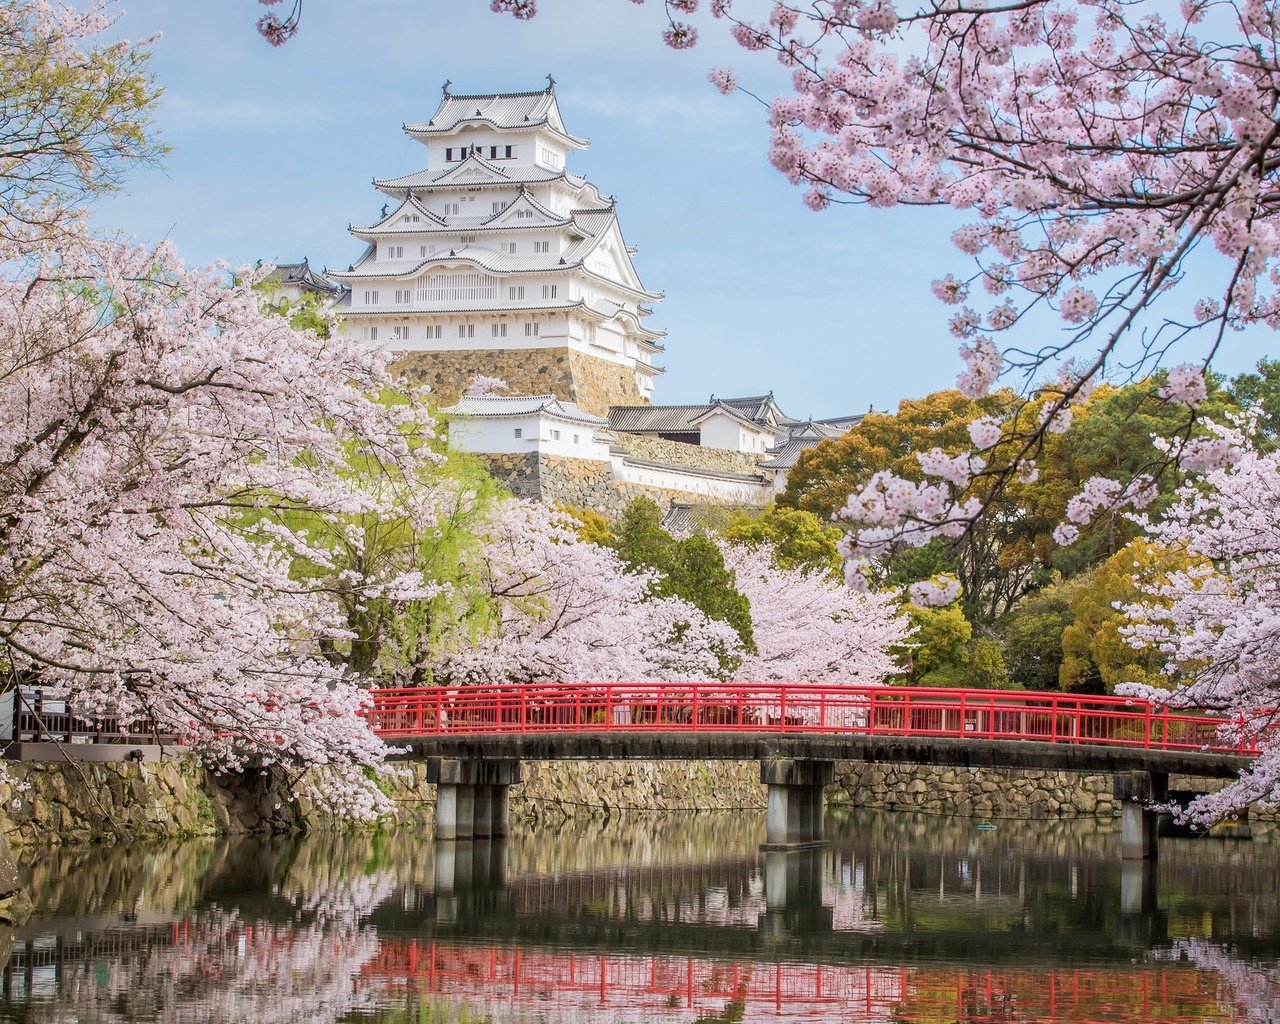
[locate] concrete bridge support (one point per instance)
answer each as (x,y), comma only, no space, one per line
(795,808)
(471,796)
(1138,823)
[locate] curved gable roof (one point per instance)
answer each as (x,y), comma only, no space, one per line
(509,111)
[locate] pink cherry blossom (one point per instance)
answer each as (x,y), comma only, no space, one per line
(1218,621)
(1186,385)
(724,79)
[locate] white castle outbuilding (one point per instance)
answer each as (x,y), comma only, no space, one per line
(496,261)
(494,247)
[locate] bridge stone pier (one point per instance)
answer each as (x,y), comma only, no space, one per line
(1139,824)
(795,804)
(472,796)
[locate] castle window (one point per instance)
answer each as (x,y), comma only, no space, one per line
(466,239)
(497,330)
(531,330)
(541,246)
(466,330)
(519,432)
(395,252)
(510,152)
(433,330)
(575,438)
(422,250)
(450,208)
(499,207)
(370,298)
(549,291)
(448,153)
(400,333)
(373,334)
(514,294)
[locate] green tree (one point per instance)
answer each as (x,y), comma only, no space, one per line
(1260,392)
(75,114)
(1096,654)
(800,539)
(309,312)
(692,569)
(939,651)
(592,526)
(1032,635)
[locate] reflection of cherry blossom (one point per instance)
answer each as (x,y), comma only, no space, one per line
(222,969)
(1253,990)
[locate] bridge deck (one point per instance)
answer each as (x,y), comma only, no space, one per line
(729,746)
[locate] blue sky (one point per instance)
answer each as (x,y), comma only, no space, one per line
(273,152)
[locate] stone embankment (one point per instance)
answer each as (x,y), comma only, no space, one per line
(82,802)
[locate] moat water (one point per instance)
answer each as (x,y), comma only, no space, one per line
(903,918)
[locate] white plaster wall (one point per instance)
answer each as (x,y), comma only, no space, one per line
(538,433)
(693,483)
(721,431)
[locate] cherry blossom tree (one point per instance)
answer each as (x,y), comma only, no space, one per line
(566,610)
(162,441)
(810,629)
(1217,620)
(159,432)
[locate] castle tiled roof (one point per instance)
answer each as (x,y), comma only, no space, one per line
(500,406)
(665,419)
(760,412)
(300,275)
(509,111)
(523,174)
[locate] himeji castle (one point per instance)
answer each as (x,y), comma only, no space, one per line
(496,260)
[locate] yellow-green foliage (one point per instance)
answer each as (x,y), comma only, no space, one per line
(592,527)
(1095,654)
(799,538)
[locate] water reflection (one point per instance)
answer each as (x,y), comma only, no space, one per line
(902,919)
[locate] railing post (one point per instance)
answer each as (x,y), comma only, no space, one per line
(608,707)
(693,708)
(1146,726)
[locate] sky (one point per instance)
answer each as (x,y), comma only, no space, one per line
(273,152)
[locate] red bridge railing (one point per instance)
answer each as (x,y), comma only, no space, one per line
(773,708)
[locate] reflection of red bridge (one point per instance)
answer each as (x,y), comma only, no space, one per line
(642,987)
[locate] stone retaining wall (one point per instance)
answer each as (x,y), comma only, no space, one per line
(592,383)
(584,483)
(689,456)
(994,792)
(70,803)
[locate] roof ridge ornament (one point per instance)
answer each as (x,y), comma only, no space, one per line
(444,89)
(551,84)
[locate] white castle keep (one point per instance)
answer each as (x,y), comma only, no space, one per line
(494,247)
(496,261)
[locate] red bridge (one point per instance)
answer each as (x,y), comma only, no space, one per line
(475,736)
(758,708)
